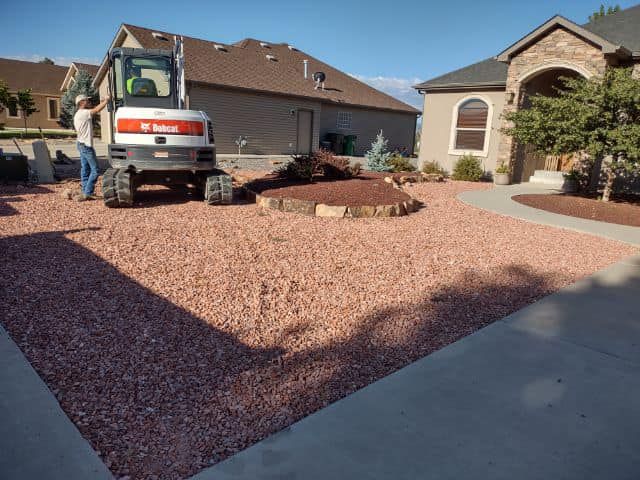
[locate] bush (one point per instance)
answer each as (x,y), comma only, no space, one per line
(468,168)
(301,167)
(332,166)
(502,168)
(433,167)
(304,167)
(398,163)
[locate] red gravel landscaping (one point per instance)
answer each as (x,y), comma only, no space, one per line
(365,189)
(623,211)
(176,334)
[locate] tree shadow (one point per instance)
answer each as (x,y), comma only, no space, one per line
(13,194)
(391,338)
(135,372)
(158,391)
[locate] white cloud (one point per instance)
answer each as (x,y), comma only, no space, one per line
(56,60)
(400,88)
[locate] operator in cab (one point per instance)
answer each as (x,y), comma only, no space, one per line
(83,124)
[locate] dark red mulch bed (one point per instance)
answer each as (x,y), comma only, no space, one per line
(365,189)
(623,210)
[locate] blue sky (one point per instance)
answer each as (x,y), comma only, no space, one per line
(390,44)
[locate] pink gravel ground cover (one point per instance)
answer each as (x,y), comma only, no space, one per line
(175,334)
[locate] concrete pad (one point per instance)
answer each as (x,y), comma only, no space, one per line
(37,440)
(504,403)
(498,200)
(601,312)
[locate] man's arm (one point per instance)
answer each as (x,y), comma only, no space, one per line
(98,108)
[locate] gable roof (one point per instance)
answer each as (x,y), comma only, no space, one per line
(621,28)
(39,77)
(618,33)
(73,69)
(487,73)
(244,65)
(560,21)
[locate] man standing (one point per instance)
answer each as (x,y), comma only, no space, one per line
(83,123)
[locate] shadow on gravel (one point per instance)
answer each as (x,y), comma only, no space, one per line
(159,392)
(469,303)
(136,373)
(12,194)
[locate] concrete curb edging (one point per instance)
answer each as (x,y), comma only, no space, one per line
(311,208)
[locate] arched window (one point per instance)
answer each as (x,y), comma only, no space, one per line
(471,125)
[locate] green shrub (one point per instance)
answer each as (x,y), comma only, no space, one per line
(398,163)
(301,167)
(502,168)
(434,167)
(468,168)
(304,167)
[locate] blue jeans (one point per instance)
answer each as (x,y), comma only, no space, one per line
(88,168)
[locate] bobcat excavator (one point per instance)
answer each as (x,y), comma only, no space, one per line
(154,138)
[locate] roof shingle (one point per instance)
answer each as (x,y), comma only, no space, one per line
(621,28)
(489,72)
(39,77)
(244,65)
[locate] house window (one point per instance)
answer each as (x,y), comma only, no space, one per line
(344,121)
(12,108)
(471,127)
(52,106)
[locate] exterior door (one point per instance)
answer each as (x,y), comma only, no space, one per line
(305,131)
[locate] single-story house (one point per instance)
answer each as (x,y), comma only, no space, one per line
(73,70)
(265,92)
(44,80)
(463,109)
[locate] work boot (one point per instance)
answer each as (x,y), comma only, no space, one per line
(83,197)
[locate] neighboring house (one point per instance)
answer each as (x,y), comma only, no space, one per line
(259,90)
(73,71)
(463,109)
(44,80)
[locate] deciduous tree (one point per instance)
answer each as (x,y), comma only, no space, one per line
(599,116)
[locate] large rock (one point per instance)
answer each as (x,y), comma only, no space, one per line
(323,210)
(305,207)
(364,211)
(386,211)
(269,202)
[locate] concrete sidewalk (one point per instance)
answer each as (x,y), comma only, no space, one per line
(498,200)
(549,392)
(37,439)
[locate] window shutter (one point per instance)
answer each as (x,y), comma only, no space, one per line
(473,114)
(470,140)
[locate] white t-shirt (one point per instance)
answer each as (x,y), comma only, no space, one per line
(84,126)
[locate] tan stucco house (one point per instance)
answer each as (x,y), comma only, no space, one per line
(259,90)
(463,109)
(44,80)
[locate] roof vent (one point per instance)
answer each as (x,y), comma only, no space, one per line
(292,48)
(271,57)
(265,45)
(220,48)
(159,36)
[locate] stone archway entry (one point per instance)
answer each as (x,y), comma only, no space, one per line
(527,160)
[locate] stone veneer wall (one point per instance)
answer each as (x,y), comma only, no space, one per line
(560,48)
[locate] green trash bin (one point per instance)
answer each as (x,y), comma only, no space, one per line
(349,145)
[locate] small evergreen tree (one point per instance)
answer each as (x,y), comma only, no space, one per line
(81,85)
(26,104)
(378,156)
(603,12)
(599,116)
(47,60)
(4,95)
